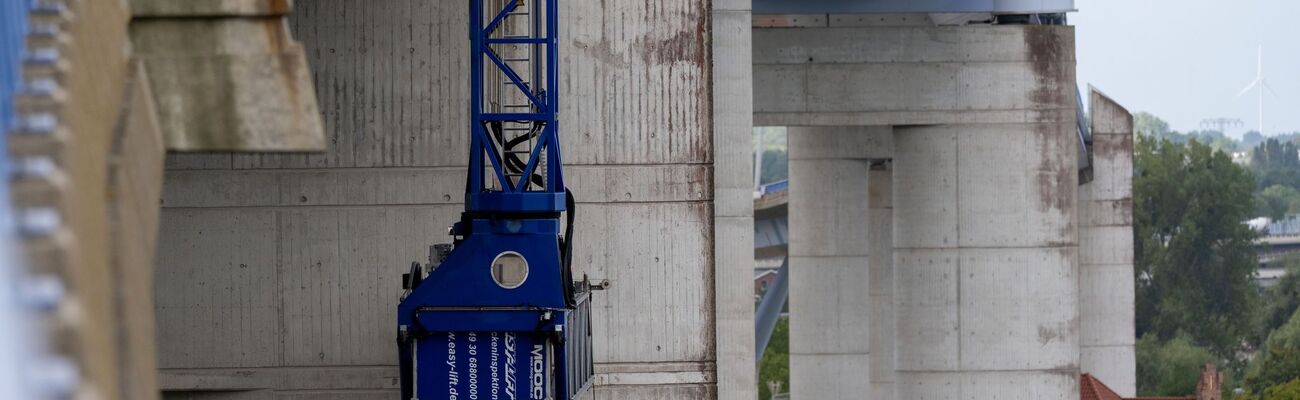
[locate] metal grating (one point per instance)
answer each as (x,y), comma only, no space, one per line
(578,348)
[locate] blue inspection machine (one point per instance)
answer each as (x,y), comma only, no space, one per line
(497,314)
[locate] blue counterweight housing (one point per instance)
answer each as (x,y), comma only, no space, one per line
(500,315)
(462,335)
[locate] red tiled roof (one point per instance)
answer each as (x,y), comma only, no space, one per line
(1090,388)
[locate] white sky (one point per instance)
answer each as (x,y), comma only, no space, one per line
(1186,60)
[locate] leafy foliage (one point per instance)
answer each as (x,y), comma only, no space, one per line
(1169,368)
(1152,126)
(775,366)
(776,165)
(1285,391)
(1279,362)
(1279,302)
(1277,201)
(1276,163)
(1252,139)
(772,140)
(1195,260)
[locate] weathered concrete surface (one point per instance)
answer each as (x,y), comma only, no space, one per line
(275,262)
(210,8)
(985,237)
(91,113)
(985,279)
(733,212)
(911,75)
(842,142)
(135,172)
(830,318)
(1106,250)
(986,262)
(227,75)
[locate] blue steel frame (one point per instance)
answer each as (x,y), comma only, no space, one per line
(515,196)
(448,318)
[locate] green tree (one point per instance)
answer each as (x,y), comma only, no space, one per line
(1279,361)
(1195,260)
(1216,139)
(1279,302)
(1224,144)
(1252,139)
(1169,368)
(1286,391)
(776,165)
(1276,162)
(1277,201)
(772,141)
(1151,125)
(775,366)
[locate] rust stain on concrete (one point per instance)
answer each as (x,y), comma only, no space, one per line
(1055,180)
(279,7)
(1112,146)
(704,59)
(1046,47)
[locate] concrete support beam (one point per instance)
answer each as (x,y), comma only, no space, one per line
(913,75)
(841,142)
(1106,251)
(830,318)
(985,253)
(733,217)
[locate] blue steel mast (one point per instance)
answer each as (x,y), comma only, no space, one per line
(499,129)
(498,314)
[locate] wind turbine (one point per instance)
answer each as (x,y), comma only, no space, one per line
(1259,83)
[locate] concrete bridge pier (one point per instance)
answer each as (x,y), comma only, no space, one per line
(985,253)
(983,140)
(833,258)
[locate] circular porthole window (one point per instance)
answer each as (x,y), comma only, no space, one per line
(509,270)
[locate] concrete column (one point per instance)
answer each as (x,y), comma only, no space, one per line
(880,217)
(733,206)
(985,253)
(829,257)
(1106,251)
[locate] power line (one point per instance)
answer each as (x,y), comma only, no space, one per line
(1222,124)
